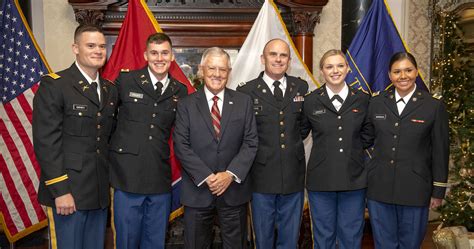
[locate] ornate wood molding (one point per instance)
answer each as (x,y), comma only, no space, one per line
(89,16)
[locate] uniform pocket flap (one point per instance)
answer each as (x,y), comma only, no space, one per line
(73,161)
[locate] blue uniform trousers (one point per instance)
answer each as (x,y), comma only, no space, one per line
(397,226)
(283,212)
(139,220)
(84,229)
(337,215)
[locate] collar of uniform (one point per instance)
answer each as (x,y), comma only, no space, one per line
(89,79)
(165,81)
(269,81)
(407,97)
(210,95)
(343,93)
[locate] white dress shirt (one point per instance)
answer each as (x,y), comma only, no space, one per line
(343,94)
(401,104)
(89,79)
(269,81)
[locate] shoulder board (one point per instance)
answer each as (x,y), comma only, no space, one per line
(375,94)
(124,70)
(242,83)
(437,96)
(53,75)
(308,93)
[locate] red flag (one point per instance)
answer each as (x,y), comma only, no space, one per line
(128,52)
(21,66)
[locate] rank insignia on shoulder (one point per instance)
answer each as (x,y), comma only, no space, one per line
(124,70)
(437,96)
(363,90)
(308,93)
(53,75)
(242,83)
(375,94)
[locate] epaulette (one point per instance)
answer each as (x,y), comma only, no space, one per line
(308,93)
(375,93)
(437,96)
(242,83)
(53,75)
(124,70)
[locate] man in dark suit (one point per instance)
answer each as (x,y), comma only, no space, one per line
(278,171)
(216,141)
(140,170)
(72,120)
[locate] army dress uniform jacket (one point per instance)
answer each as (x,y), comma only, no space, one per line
(140,151)
(339,138)
(411,150)
(279,167)
(71,131)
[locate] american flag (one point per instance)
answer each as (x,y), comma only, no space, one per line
(21,67)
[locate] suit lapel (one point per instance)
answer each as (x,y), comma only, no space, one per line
(171,90)
(203,108)
(289,93)
(227,108)
(82,86)
(265,93)
(104,93)
(390,102)
(414,102)
(142,79)
(324,99)
(349,101)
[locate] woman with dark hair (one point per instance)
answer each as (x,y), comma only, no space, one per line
(409,168)
(336,178)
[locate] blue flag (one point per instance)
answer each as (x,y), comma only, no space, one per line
(376,40)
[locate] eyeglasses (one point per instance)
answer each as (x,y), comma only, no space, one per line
(213,70)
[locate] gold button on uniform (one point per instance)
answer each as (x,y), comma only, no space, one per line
(341,150)
(396,124)
(98,126)
(340,139)
(153,115)
(282,135)
(281,123)
(392,161)
(281,112)
(120,150)
(150,138)
(98,151)
(339,117)
(339,128)
(80,114)
(135,100)
(98,139)
(99,114)
(395,136)
(393,149)
(152,126)
(283,146)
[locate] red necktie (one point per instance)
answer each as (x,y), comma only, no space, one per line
(216,116)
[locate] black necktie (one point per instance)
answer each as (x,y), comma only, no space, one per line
(277,92)
(338,98)
(94,91)
(159,87)
(401,100)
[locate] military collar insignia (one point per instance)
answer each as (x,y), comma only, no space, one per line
(85,87)
(264,90)
(144,80)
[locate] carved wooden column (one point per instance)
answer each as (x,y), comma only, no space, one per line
(304,16)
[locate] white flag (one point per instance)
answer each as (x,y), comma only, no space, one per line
(268,25)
